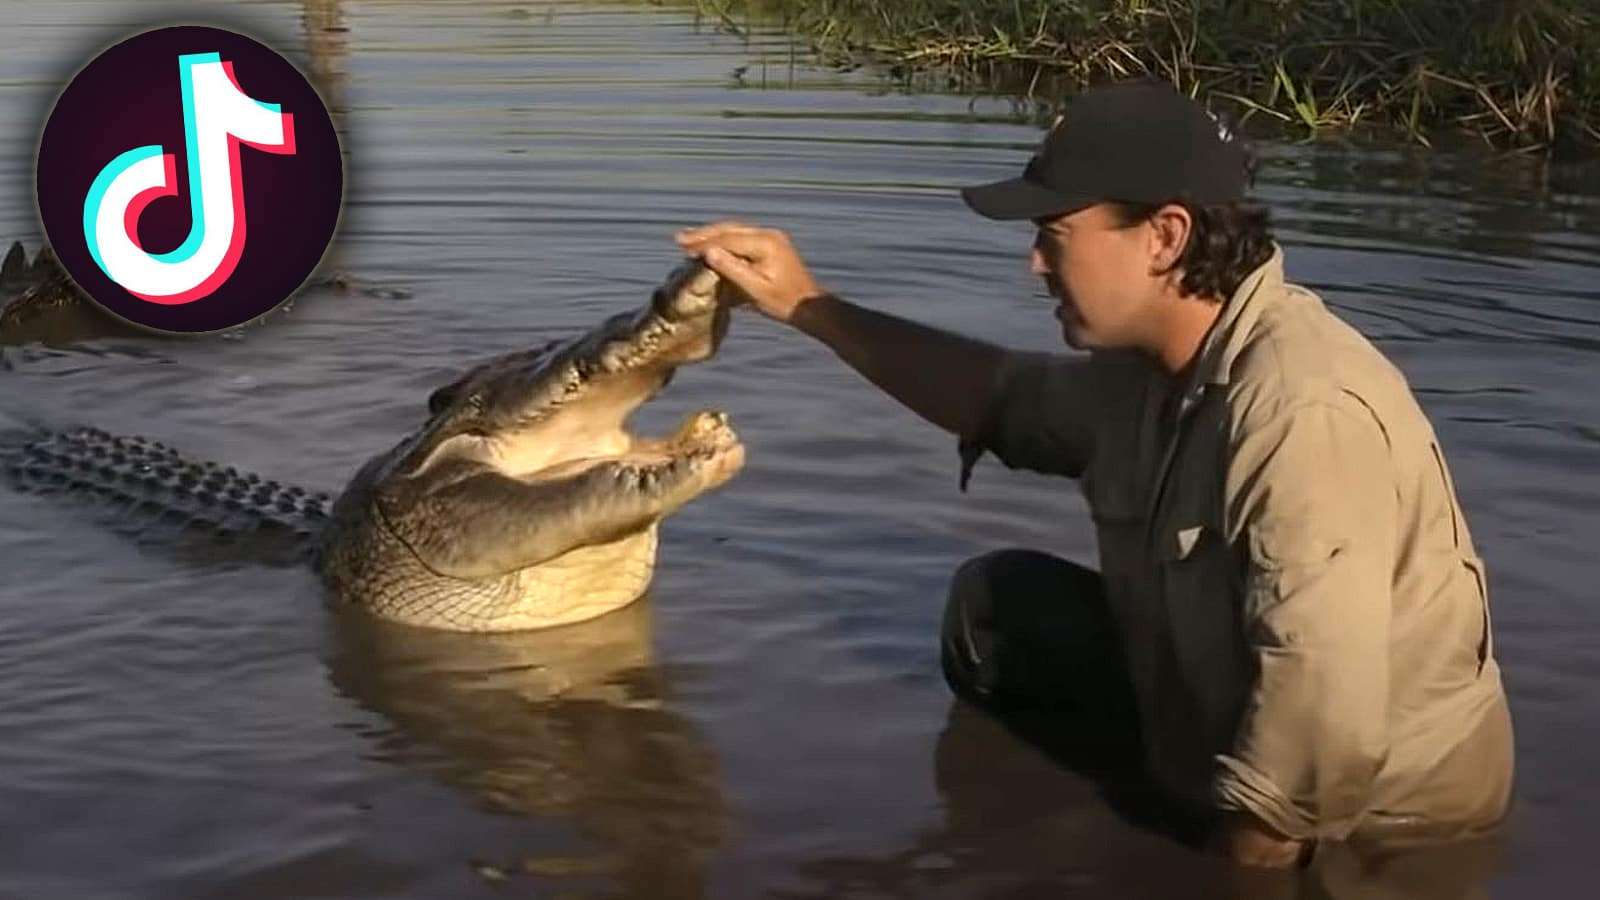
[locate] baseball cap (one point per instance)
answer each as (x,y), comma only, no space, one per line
(1137,141)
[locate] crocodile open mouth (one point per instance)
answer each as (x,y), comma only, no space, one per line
(704,449)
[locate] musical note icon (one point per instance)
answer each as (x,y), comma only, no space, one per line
(218,118)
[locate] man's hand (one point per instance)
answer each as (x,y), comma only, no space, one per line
(1250,842)
(942,377)
(761,262)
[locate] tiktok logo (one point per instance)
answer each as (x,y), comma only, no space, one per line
(217,117)
(157,157)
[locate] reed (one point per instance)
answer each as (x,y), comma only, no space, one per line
(1520,73)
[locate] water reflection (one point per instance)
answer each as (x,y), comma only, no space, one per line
(1020,819)
(1472,206)
(327,45)
(567,723)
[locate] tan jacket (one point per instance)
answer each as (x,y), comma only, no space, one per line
(1305,618)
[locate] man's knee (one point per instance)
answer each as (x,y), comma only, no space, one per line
(973,587)
(969,639)
(982,572)
(1010,574)
(973,573)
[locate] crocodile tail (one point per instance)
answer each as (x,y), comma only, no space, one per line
(153,481)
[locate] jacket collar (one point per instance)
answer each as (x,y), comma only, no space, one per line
(1259,290)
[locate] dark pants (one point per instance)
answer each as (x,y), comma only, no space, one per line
(1029,637)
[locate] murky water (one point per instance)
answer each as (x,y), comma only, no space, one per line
(771,720)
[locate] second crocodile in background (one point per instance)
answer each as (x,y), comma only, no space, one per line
(520,502)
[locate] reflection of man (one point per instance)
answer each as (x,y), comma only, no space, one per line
(1289,613)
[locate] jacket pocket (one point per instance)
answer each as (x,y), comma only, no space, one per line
(1449,492)
(1278,548)
(1201,605)
(1474,565)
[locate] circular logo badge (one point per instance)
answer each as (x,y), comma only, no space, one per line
(189,179)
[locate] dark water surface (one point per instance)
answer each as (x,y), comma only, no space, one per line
(771,720)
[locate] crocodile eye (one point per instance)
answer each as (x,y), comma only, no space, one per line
(440,400)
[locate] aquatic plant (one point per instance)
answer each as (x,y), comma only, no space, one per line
(1519,73)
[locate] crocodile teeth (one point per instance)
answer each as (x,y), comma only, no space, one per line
(613,357)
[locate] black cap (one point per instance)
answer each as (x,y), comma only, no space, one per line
(1134,141)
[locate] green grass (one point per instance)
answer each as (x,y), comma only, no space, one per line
(1520,73)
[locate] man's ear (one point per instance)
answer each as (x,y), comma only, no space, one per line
(1170,227)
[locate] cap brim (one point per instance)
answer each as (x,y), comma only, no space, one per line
(1019,198)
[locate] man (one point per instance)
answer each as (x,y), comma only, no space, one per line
(1289,615)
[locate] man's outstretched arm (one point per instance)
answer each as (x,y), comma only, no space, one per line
(942,377)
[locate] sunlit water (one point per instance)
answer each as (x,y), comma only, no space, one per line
(771,719)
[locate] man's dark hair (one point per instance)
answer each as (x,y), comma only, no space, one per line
(1227,241)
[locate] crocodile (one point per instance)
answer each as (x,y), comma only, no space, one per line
(520,501)
(39,302)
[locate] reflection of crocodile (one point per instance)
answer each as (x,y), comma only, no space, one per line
(521,502)
(568,725)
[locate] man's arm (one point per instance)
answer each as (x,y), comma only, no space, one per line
(1310,492)
(942,377)
(1032,410)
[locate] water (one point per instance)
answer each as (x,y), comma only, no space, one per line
(771,720)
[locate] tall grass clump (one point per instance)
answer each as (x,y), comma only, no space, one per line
(1520,73)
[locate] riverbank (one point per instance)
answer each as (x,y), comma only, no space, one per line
(1521,74)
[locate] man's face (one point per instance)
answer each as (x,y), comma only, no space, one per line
(1099,273)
